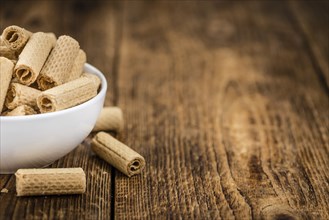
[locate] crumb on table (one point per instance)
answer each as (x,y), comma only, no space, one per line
(4,190)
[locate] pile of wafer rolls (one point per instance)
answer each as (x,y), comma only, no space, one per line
(41,73)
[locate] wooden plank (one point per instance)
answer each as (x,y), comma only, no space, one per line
(94,24)
(224,103)
(313,20)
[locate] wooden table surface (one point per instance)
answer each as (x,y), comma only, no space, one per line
(227,101)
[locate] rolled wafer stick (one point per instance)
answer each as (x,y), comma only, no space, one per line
(1,41)
(5,51)
(117,154)
(15,37)
(14,80)
(57,67)
(52,181)
(6,72)
(33,57)
(8,53)
(110,119)
(19,94)
(77,67)
(69,94)
(21,110)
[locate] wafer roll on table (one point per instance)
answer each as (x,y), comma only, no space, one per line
(33,57)
(19,94)
(52,181)
(21,110)
(69,94)
(117,154)
(58,65)
(110,119)
(15,37)
(6,73)
(77,67)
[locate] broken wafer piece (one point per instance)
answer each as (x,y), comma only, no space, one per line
(110,119)
(20,111)
(117,154)
(58,65)
(33,57)
(52,181)
(4,190)
(15,37)
(6,73)
(19,94)
(77,67)
(69,94)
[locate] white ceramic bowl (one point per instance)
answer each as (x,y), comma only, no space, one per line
(38,140)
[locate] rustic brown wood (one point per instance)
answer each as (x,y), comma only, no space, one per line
(224,100)
(312,17)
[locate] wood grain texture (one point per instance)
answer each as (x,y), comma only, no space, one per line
(227,110)
(312,17)
(223,100)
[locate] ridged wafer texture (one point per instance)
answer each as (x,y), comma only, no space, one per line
(58,65)
(110,119)
(117,154)
(19,94)
(77,67)
(20,111)
(34,56)
(6,73)
(69,94)
(15,37)
(52,181)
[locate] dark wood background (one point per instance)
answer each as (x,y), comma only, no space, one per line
(227,101)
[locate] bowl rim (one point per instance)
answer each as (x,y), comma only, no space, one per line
(91,101)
